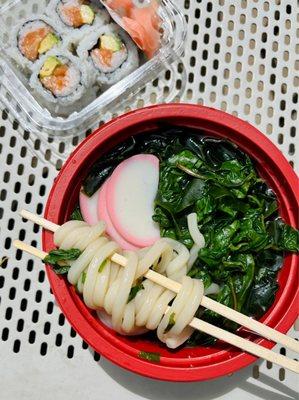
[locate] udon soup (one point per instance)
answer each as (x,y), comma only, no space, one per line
(190,207)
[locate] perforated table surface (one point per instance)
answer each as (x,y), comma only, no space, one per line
(240,57)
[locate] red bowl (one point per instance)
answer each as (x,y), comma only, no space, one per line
(187,364)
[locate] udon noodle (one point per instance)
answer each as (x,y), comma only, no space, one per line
(106,286)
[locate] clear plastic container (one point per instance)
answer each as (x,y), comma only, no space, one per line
(35,117)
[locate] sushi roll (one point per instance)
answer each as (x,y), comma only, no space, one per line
(110,53)
(60,78)
(34,38)
(76,17)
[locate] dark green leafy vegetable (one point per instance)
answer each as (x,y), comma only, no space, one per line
(76,214)
(264,287)
(283,237)
(200,271)
(58,259)
(252,234)
(163,217)
(218,244)
(148,356)
(236,212)
(61,270)
(58,255)
(204,206)
(242,282)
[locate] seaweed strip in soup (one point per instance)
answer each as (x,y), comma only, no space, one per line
(236,212)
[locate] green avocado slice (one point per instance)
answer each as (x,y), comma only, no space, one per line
(111,42)
(48,43)
(87,14)
(49,66)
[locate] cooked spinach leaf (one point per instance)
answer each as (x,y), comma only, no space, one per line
(76,214)
(283,237)
(58,259)
(201,271)
(236,211)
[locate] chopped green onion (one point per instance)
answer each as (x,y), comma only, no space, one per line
(134,291)
(102,266)
(153,357)
(171,322)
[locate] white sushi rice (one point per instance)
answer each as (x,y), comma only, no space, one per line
(118,58)
(72,79)
(77,76)
(76,34)
(22,29)
(124,66)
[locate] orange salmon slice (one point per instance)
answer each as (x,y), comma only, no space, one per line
(104,55)
(56,82)
(73,14)
(30,43)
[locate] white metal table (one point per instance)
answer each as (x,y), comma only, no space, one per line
(240,57)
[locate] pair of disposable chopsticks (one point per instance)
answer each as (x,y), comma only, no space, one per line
(243,320)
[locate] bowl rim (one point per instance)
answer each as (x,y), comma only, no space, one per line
(280,317)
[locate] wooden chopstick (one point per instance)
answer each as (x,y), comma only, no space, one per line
(209,329)
(227,312)
(206,302)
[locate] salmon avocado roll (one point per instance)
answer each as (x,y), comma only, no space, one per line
(77,16)
(75,13)
(36,38)
(110,53)
(33,39)
(60,78)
